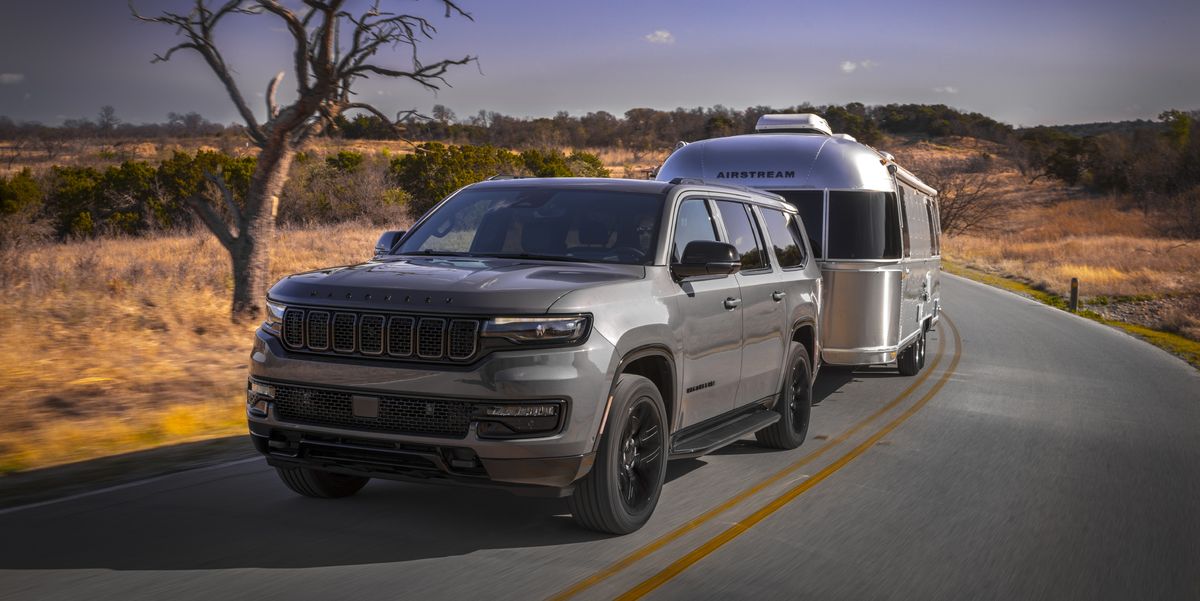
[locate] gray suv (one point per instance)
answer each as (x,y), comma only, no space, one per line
(553,336)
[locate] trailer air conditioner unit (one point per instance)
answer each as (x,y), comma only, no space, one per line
(847,137)
(805,123)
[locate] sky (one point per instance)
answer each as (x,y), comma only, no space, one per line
(1022,62)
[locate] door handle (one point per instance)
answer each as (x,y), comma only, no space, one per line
(778,296)
(732,303)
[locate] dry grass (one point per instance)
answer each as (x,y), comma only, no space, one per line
(110,345)
(1112,252)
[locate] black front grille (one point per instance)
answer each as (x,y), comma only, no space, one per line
(421,338)
(400,415)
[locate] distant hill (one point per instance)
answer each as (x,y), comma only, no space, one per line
(1084,130)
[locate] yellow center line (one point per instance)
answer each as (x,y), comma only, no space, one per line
(779,502)
(735,500)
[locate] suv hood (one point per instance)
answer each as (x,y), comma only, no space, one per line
(448,284)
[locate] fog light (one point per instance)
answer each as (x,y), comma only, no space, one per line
(262,389)
(521,410)
(257,407)
(516,420)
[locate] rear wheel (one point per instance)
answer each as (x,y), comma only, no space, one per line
(913,356)
(794,406)
(320,484)
(621,491)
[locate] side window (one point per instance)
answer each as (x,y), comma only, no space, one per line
(785,237)
(693,222)
(905,236)
(742,235)
(934,242)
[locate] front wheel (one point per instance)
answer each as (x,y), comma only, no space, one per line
(794,406)
(621,491)
(320,484)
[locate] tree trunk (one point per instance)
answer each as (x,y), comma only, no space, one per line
(251,252)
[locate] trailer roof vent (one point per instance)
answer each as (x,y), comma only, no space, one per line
(803,123)
(847,137)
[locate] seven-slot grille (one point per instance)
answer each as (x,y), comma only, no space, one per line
(397,414)
(370,334)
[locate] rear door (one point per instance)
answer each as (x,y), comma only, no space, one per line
(709,324)
(762,309)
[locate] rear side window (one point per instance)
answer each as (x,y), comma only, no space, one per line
(811,204)
(785,237)
(863,225)
(693,222)
(742,235)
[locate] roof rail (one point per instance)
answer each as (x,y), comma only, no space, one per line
(696,181)
(502,177)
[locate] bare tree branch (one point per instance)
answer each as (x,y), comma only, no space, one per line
(272,107)
(212,221)
(227,196)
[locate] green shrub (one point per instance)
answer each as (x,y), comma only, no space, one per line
(19,193)
(436,170)
(345,161)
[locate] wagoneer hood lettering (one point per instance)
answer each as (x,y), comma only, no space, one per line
(458,285)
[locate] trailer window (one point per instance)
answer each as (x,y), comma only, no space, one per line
(863,225)
(811,204)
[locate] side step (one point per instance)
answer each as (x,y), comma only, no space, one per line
(721,434)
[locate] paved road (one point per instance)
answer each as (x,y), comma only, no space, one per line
(1042,457)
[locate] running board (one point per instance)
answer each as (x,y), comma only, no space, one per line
(721,434)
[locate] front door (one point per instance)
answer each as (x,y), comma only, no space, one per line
(710,325)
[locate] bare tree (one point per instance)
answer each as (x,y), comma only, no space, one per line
(966,198)
(326,71)
(106,119)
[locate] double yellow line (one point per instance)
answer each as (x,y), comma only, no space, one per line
(732,532)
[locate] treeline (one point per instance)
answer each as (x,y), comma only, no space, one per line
(136,198)
(1156,169)
(650,129)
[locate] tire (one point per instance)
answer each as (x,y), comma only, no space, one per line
(320,484)
(910,359)
(620,492)
(794,406)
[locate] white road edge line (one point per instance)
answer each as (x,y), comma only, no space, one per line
(135,483)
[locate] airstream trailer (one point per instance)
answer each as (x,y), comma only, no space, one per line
(873,227)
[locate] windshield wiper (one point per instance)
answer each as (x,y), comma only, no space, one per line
(429,252)
(539,257)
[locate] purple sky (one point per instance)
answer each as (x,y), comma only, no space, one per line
(1023,62)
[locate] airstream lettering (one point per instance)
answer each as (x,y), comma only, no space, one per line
(872,224)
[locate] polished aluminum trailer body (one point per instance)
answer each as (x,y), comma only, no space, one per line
(873,224)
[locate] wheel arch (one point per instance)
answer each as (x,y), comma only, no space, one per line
(656,363)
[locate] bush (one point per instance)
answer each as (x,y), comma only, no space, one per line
(346,187)
(20,193)
(21,200)
(345,161)
(436,170)
(553,163)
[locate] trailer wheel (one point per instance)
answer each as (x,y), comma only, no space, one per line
(910,359)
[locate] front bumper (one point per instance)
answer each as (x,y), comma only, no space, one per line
(579,377)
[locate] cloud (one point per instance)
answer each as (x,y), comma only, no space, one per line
(660,36)
(851,66)
(11,78)
(946,90)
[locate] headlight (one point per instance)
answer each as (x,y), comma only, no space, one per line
(565,329)
(274,320)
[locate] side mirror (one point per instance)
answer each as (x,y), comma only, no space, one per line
(387,241)
(705,258)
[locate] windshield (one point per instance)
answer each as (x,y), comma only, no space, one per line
(540,223)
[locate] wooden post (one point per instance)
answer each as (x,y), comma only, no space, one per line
(1074,295)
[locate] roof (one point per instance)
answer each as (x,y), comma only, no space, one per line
(782,161)
(615,184)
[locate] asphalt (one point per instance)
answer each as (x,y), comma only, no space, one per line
(1038,456)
